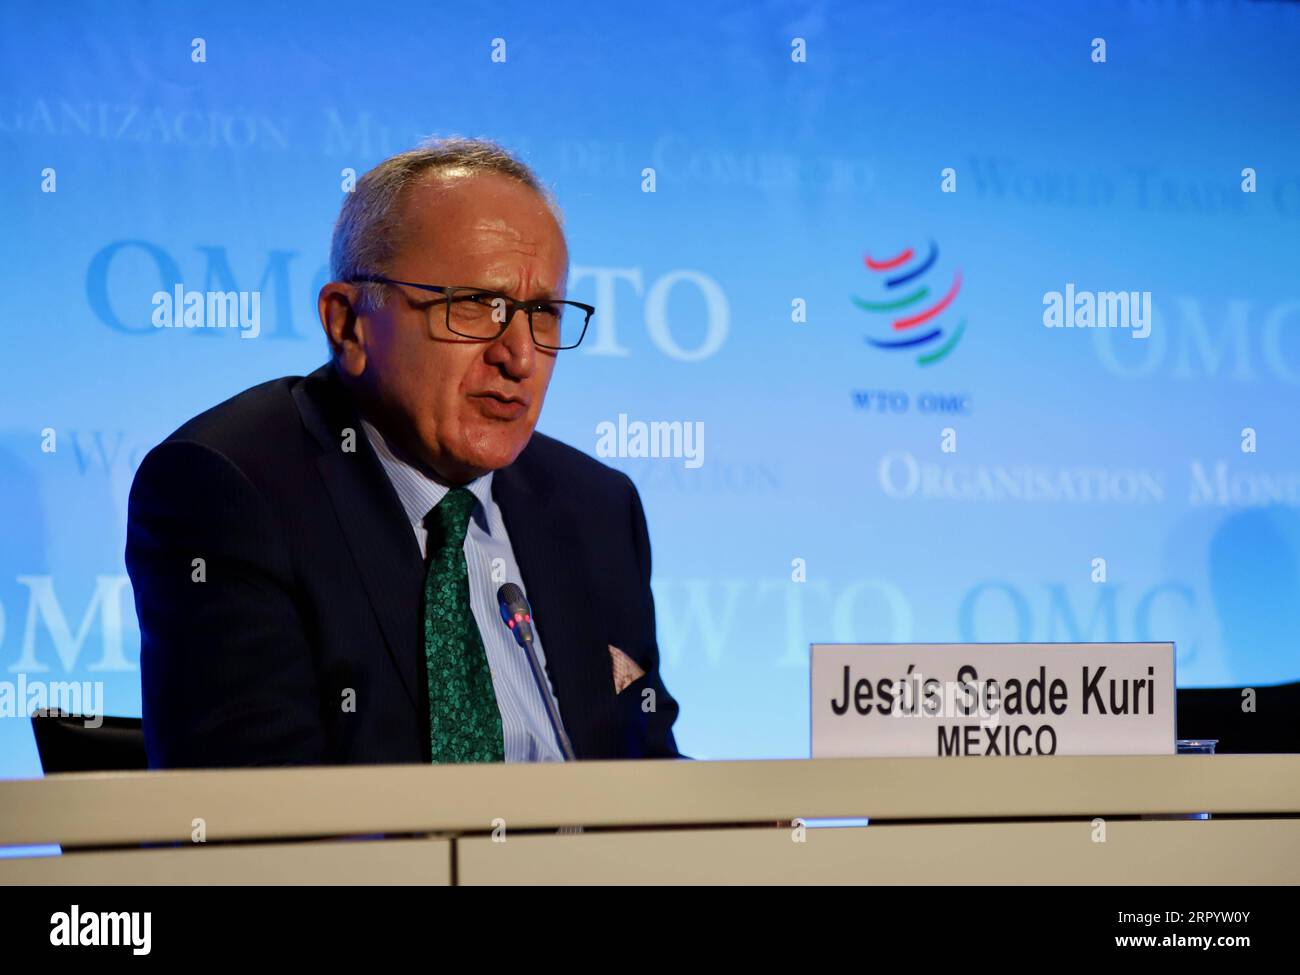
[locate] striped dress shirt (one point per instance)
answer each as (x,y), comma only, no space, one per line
(525,723)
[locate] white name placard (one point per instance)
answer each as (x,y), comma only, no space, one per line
(903,700)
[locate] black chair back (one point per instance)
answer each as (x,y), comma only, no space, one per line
(67,744)
(1216,712)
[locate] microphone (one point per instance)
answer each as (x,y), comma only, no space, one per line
(518,617)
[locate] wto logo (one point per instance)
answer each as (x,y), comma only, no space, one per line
(914,327)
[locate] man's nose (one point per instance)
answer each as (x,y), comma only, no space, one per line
(514,350)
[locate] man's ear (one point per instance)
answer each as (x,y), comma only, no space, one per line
(345,331)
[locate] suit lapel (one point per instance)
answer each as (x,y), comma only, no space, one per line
(383,546)
(544,538)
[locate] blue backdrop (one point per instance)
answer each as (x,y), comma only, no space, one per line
(959,488)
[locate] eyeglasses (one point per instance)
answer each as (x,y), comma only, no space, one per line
(479,313)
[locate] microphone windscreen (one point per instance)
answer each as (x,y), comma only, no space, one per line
(511,595)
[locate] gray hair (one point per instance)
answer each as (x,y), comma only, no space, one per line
(367,233)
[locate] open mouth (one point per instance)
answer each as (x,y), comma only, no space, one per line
(500,406)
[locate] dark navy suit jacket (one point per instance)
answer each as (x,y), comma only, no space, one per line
(312,580)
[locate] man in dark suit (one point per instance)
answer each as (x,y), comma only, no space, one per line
(316,561)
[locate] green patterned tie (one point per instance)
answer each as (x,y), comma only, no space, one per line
(464,720)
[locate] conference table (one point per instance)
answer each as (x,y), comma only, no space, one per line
(1178,819)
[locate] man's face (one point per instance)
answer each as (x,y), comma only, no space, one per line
(455,405)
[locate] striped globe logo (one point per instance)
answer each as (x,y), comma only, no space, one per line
(900,294)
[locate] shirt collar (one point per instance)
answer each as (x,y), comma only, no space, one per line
(418,492)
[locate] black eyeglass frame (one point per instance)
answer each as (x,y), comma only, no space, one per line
(511,305)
